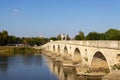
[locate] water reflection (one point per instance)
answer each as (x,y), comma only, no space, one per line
(3,67)
(36,68)
(66,73)
(3,64)
(25,68)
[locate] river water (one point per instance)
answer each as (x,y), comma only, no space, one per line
(36,68)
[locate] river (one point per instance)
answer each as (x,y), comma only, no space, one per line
(36,67)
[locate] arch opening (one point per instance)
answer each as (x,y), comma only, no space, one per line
(66,55)
(65,50)
(118,58)
(99,63)
(77,57)
(53,48)
(58,49)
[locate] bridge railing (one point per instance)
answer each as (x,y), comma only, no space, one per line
(95,43)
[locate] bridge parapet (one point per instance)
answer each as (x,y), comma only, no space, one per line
(94,43)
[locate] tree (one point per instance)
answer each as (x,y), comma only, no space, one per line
(80,36)
(0,38)
(94,36)
(4,37)
(112,34)
(53,38)
(68,38)
(102,36)
(59,37)
(12,40)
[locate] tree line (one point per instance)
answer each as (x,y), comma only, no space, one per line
(111,34)
(6,39)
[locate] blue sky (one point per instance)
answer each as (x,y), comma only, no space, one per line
(52,17)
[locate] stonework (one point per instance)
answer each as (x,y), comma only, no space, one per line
(94,54)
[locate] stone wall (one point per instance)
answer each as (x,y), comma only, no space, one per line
(98,43)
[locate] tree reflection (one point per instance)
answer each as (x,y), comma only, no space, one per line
(3,67)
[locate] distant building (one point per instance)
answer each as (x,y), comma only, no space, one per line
(63,36)
(19,45)
(22,45)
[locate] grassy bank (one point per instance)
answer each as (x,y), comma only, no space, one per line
(10,50)
(6,50)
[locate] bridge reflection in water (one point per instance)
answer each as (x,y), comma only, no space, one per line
(66,73)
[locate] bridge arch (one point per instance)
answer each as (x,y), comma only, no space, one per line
(99,62)
(53,48)
(77,56)
(65,50)
(118,59)
(58,49)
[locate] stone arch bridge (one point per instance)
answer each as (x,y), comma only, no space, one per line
(94,54)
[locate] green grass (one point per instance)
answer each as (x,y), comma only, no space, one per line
(10,50)
(6,50)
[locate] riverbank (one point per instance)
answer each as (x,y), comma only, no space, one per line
(12,50)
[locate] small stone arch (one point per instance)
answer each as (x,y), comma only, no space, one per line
(53,48)
(99,63)
(77,56)
(66,55)
(118,59)
(65,50)
(58,50)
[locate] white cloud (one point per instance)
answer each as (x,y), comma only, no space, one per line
(16,10)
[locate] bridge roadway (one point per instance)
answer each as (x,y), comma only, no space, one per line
(94,54)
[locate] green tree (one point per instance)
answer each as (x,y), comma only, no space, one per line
(68,38)
(94,36)
(59,37)
(112,34)
(0,38)
(53,38)
(12,40)
(4,38)
(80,36)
